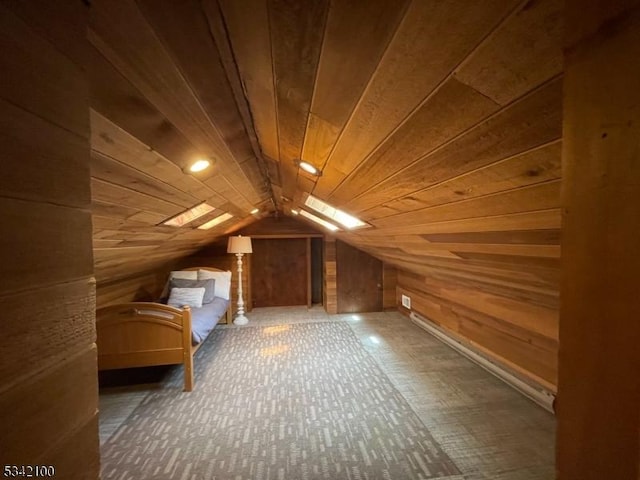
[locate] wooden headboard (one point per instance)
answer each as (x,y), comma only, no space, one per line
(211,269)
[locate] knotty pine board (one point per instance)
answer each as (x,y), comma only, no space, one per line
(37,421)
(532,121)
(116,99)
(531,356)
(54,326)
(113,171)
(42,165)
(149,66)
(46,244)
(389,285)
(514,329)
(535,166)
(198,59)
(48,376)
(430,41)
(296,39)
(599,388)
(247,23)
(57,102)
(354,30)
(515,50)
(450,110)
(535,220)
(543,196)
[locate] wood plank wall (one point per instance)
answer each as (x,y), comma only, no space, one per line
(139,287)
(330,290)
(48,377)
(516,327)
(599,388)
(389,285)
(283,226)
(281,272)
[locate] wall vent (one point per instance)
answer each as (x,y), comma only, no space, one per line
(406,301)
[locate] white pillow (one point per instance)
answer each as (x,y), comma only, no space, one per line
(187,274)
(186,296)
(223,282)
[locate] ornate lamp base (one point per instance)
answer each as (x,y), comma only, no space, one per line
(240,320)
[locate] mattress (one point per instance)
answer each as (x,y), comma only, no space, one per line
(205,318)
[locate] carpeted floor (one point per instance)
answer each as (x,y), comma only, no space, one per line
(287,402)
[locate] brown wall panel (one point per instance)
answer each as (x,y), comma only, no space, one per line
(31,88)
(48,378)
(279,226)
(64,453)
(359,280)
(599,384)
(44,164)
(60,399)
(145,287)
(389,283)
(60,322)
(48,243)
(279,272)
(510,327)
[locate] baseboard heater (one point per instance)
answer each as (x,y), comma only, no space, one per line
(540,395)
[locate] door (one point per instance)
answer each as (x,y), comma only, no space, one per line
(359,280)
(279,274)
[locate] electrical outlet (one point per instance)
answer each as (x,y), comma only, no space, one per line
(406,301)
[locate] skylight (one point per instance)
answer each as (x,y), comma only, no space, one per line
(216,221)
(322,222)
(189,216)
(343,218)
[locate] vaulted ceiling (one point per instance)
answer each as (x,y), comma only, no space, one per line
(438,122)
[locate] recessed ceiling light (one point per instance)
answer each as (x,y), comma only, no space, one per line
(189,216)
(319,220)
(306,166)
(216,221)
(199,165)
(254,211)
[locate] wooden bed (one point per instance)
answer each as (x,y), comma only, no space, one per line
(142,334)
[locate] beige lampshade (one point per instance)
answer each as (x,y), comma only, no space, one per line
(239,244)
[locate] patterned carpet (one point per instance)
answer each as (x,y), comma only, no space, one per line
(287,402)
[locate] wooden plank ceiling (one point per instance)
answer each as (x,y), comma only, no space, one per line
(438,122)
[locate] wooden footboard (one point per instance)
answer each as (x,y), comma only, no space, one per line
(142,334)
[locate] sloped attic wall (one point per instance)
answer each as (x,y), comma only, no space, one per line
(437,122)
